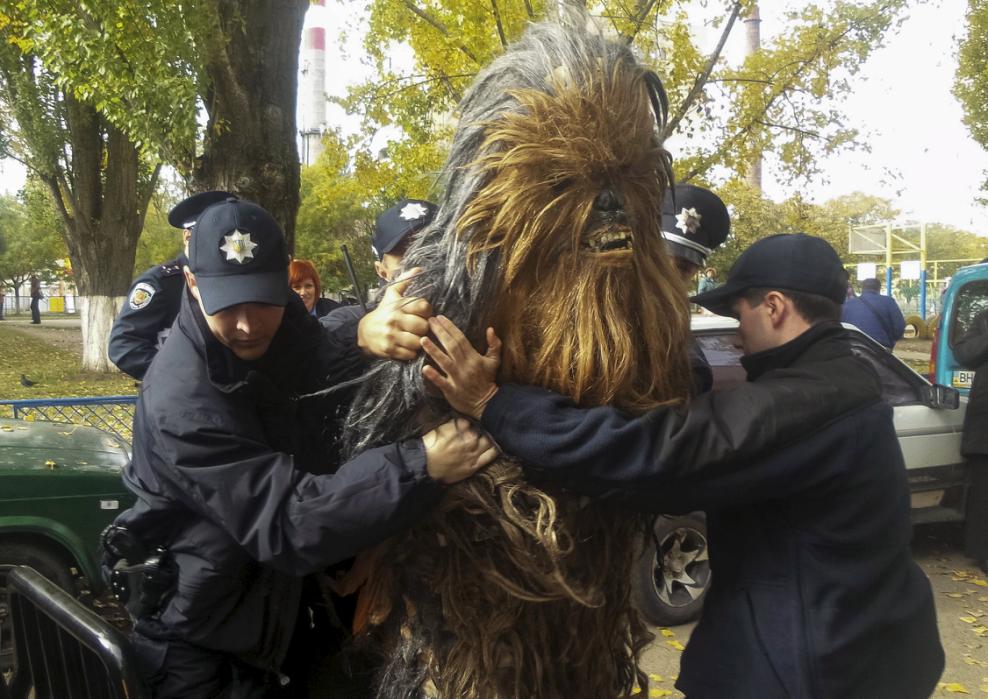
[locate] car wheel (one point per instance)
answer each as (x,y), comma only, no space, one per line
(673,574)
(48,562)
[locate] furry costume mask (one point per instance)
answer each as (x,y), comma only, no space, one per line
(549,231)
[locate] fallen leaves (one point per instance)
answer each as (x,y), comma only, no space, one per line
(953,687)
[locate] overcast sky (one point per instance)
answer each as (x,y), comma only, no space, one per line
(922,156)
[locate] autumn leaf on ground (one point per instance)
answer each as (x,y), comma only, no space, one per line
(954,688)
(667,633)
(659,693)
(974,661)
(967,619)
(676,644)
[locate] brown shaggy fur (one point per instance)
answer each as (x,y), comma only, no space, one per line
(512,589)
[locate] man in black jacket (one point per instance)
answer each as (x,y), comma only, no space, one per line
(234,473)
(971,350)
(814,592)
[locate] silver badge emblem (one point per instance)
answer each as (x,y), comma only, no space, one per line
(413,211)
(238,247)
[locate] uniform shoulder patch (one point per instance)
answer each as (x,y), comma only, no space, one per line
(141,295)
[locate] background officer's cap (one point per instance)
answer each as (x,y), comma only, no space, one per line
(238,255)
(405,217)
(796,262)
(185,213)
(695,224)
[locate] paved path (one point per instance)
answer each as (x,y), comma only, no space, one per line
(67,321)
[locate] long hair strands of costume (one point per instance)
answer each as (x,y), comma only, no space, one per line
(512,588)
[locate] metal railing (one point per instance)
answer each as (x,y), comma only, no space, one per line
(62,650)
(114,414)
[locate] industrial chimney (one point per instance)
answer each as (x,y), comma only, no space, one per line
(312,91)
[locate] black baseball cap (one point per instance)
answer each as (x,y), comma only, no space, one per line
(238,255)
(797,262)
(391,227)
(694,222)
(185,213)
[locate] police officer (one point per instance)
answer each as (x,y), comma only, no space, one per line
(231,475)
(694,224)
(394,230)
(154,299)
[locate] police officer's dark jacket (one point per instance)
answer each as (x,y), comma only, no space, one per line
(813,592)
(224,456)
(146,317)
(971,350)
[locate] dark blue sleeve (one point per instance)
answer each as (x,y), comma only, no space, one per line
(673,457)
(150,309)
(896,320)
(295,522)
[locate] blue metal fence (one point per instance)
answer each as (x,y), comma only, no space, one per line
(114,414)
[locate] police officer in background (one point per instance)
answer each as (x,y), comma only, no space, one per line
(236,493)
(153,302)
(694,223)
(394,230)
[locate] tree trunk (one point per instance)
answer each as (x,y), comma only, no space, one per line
(103,213)
(252,67)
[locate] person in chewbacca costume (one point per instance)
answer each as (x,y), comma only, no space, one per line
(548,231)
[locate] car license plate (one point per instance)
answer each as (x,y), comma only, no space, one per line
(962,379)
(926,498)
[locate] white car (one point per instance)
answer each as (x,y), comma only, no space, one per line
(674,572)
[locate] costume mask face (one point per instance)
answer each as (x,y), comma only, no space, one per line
(588,302)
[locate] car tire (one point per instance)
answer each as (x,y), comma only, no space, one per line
(46,560)
(672,575)
(915,328)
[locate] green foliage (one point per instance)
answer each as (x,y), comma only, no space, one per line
(783,98)
(133,61)
(31,233)
(755,217)
(971,79)
(159,242)
(342,194)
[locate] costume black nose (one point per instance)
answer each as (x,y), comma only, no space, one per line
(607,200)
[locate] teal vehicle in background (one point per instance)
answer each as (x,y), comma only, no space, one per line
(964,299)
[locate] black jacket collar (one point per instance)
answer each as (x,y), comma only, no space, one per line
(786,355)
(297,338)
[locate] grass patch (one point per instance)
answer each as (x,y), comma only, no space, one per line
(56,372)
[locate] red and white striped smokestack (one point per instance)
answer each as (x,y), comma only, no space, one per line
(312,89)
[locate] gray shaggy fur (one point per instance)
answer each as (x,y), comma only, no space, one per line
(390,405)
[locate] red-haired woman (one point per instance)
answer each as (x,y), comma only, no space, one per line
(304,280)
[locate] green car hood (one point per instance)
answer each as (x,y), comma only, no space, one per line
(59,448)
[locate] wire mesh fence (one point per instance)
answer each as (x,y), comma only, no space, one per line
(114,414)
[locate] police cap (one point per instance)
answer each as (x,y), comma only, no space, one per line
(185,213)
(695,223)
(391,227)
(238,255)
